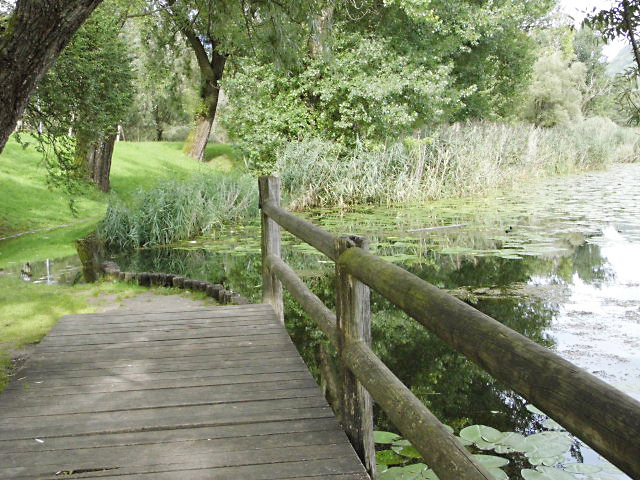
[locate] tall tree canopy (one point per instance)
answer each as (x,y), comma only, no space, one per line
(32,36)
(216,30)
(383,69)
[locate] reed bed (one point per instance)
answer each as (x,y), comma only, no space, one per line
(178,210)
(452,161)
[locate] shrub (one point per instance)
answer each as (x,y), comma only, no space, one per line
(177,210)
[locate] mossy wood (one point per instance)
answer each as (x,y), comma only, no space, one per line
(599,414)
(271,286)
(440,449)
(353,316)
(311,304)
(303,229)
(349,303)
(604,417)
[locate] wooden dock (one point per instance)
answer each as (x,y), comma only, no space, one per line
(207,393)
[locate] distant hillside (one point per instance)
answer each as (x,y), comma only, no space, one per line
(622,61)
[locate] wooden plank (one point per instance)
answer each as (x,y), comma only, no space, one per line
(39,389)
(62,443)
(166,460)
(210,396)
(208,470)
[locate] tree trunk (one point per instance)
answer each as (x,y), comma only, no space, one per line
(199,137)
(97,160)
(211,71)
(36,34)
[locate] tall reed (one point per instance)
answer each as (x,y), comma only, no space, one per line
(178,210)
(451,161)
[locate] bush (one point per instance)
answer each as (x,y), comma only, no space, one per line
(178,210)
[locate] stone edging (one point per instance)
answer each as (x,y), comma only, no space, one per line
(146,279)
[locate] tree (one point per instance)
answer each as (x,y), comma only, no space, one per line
(85,96)
(377,70)
(598,85)
(214,31)
(165,80)
(623,20)
(555,96)
(32,36)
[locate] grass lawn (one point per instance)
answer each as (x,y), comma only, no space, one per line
(28,204)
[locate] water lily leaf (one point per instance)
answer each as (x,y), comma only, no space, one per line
(582,468)
(464,441)
(534,409)
(448,428)
(389,457)
(515,441)
(429,475)
(503,449)
(380,436)
(547,444)
(491,461)
(381,468)
(475,433)
(498,474)
(552,424)
(555,473)
(402,443)
(482,445)
(410,472)
(407,451)
(548,474)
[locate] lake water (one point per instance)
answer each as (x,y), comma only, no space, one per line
(557,260)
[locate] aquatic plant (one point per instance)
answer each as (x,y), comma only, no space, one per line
(178,210)
(546,453)
(451,161)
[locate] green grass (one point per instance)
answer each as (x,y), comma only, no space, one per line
(28,204)
(56,243)
(28,310)
(26,201)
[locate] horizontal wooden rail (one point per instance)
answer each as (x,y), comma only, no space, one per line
(602,416)
(440,448)
(303,229)
(310,303)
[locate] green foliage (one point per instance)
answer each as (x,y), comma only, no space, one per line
(178,210)
(451,161)
(387,70)
(555,96)
(87,93)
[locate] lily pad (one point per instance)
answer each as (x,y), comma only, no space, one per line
(380,436)
(582,468)
(534,409)
(491,461)
(476,433)
(389,457)
(552,424)
(549,474)
(407,451)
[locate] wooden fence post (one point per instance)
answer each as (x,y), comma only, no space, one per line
(271,287)
(353,315)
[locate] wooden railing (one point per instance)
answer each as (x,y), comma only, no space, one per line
(602,416)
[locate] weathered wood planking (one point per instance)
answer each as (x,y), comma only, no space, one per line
(215,393)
